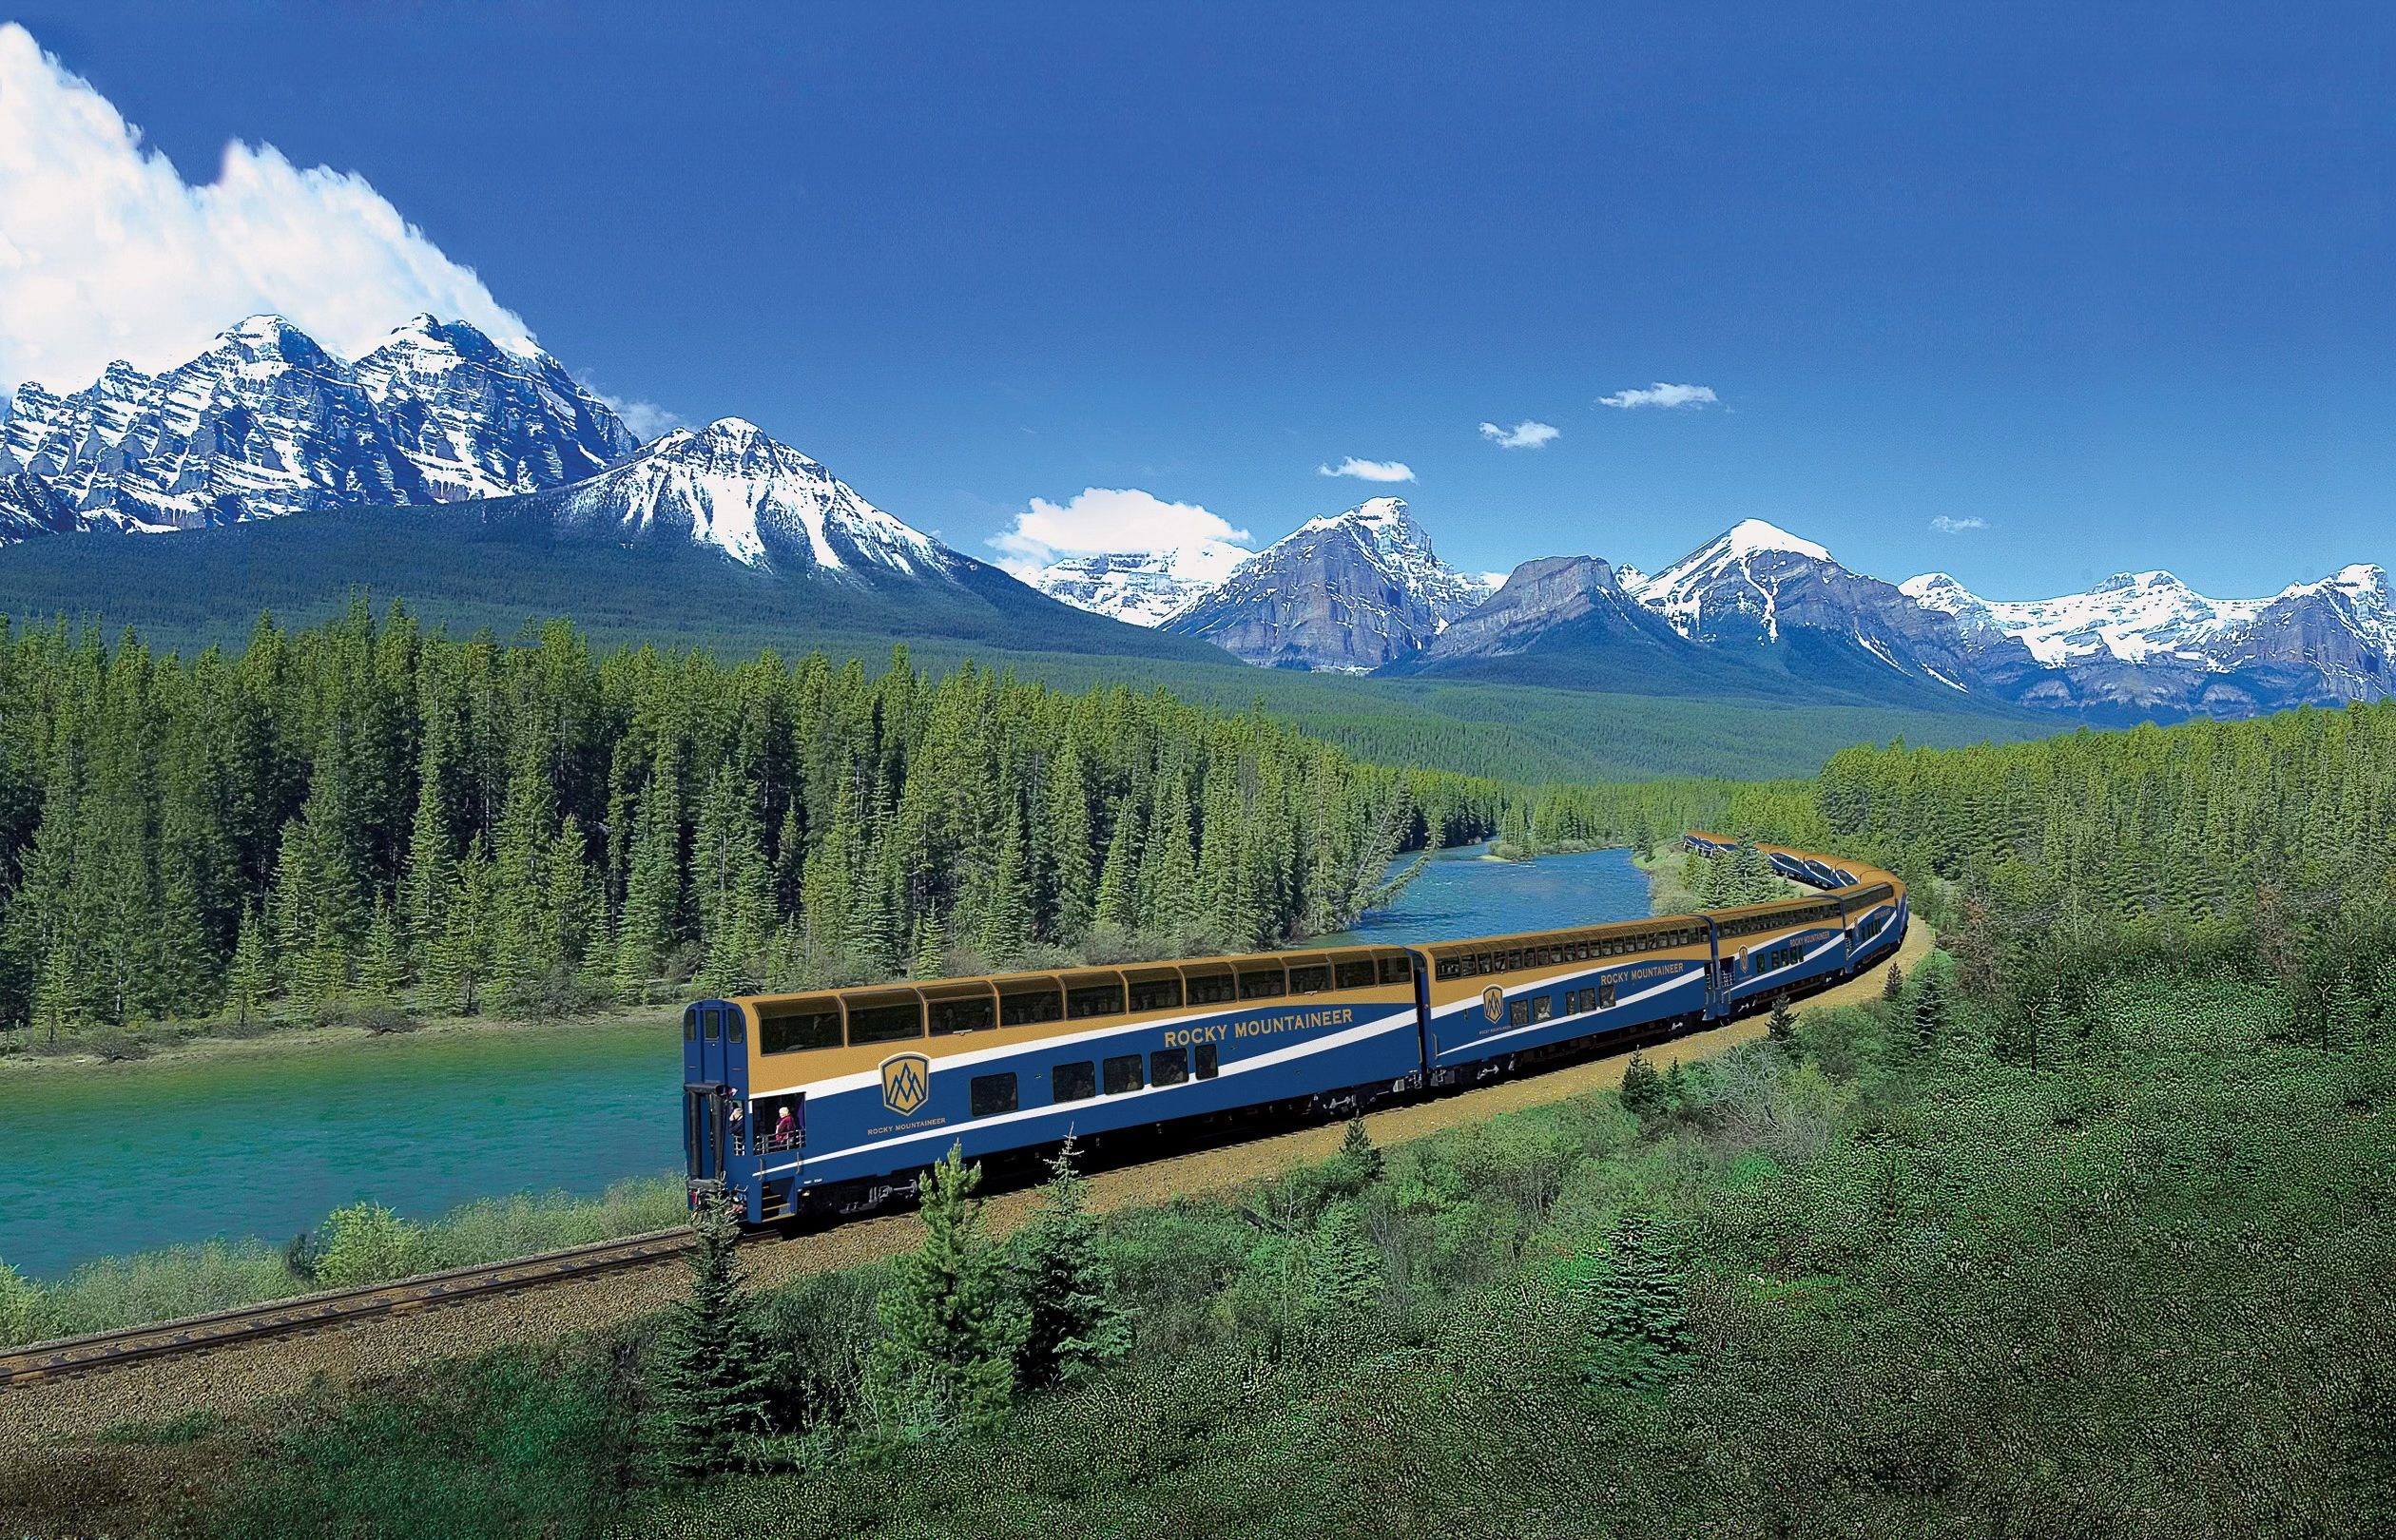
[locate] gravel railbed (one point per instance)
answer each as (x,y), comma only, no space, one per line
(230,1380)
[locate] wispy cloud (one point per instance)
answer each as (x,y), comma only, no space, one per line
(1685,398)
(646,418)
(106,252)
(1524,434)
(1368,469)
(1947,526)
(1102,520)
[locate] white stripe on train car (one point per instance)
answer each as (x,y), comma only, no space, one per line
(1230,1067)
(1473,1002)
(859,1079)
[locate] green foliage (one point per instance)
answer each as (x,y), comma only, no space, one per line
(368,1243)
(1359,1155)
(1643,1092)
(951,1324)
(1073,1323)
(366,810)
(713,1372)
(1637,1338)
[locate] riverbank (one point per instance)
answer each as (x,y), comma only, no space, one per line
(202,1043)
(227,1383)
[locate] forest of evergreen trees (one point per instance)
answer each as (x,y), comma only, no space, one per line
(365,810)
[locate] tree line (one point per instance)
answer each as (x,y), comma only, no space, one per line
(368,811)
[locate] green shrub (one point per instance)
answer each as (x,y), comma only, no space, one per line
(368,1243)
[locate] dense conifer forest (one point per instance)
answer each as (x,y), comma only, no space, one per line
(365,812)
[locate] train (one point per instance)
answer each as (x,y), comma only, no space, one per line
(832,1102)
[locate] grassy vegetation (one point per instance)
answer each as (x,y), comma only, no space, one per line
(1877,1279)
(364,1243)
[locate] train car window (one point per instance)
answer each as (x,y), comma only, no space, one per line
(1448,968)
(1168,1067)
(707,1022)
(1396,969)
(1605,996)
(971,1014)
(1027,1005)
(1073,1081)
(886,1023)
(992,1095)
(1542,1006)
(1485,962)
(1519,1012)
(691,1024)
(1359,975)
(1156,994)
(1263,983)
(794,1030)
(735,1025)
(1205,1068)
(1311,979)
(1213,988)
(1095,1000)
(1123,1075)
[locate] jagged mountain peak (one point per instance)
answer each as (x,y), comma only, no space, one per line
(1349,592)
(263,422)
(733,486)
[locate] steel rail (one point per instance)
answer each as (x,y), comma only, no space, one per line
(69,1355)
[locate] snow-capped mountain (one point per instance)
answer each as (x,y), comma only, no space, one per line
(2145,642)
(1139,588)
(1350,592)
(479,421)
(265,422)
(759,501)
(1755,584)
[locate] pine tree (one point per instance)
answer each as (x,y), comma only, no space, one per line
(1643,1094)
(1638,1338)
(713,1372)
(652,895)
(1781,1026)
(383,971)
(1930,1013)
(1345,1276)
(1073,1321)
(1359,1163)
(1893,985)
(250,983)
(951,1328)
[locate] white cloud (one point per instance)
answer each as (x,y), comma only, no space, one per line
(1368,469)
(1102,520)
(1524,434)
(1947,526)
(1688,398)
(107,252)
(646,418)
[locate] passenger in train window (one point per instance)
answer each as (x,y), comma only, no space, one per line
(785,1130)
(735,1128)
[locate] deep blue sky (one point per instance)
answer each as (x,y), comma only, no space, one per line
(2122,290)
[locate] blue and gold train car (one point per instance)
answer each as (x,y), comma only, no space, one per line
(1497,999)
(843,1092)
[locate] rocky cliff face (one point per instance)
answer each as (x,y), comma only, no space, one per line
(265,423)
(1350,594)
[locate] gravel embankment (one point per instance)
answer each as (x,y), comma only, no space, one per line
(232,1379)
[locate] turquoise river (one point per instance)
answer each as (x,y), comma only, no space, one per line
(117,1158)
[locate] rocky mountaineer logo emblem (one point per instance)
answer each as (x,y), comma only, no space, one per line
(1492,1002)
(906,1082)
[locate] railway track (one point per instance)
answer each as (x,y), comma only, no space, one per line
(339,1308)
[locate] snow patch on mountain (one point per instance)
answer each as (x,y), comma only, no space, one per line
(1741,568)
(1139,588)
(758,501)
